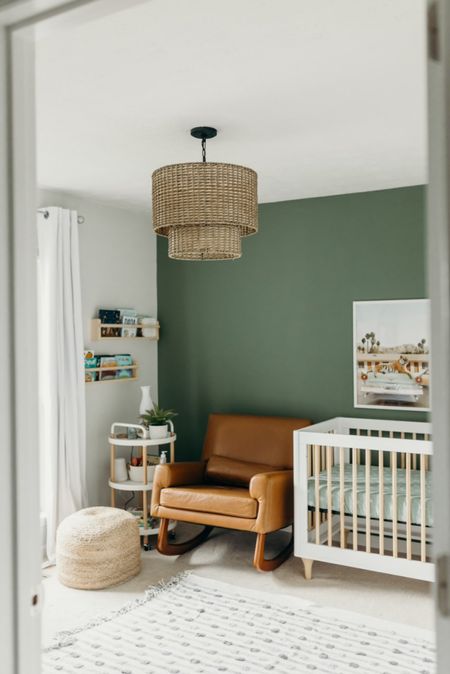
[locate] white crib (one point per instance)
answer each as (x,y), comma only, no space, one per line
(363,495)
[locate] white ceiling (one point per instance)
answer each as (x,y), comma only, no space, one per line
(319,97)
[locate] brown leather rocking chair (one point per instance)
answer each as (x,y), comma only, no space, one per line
(244,481)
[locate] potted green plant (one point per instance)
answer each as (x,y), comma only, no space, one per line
(157,421)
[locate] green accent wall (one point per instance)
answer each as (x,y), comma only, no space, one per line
(271,333)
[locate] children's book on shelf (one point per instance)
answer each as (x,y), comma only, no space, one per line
(90,361)
(124,359)
(129,325)
(107,361)
(110,317)
(149,326)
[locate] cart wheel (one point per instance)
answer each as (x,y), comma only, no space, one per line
(147,547)
(172,535)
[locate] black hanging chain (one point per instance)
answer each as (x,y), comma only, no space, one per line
(204,150)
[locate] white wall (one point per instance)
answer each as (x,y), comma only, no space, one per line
(118,269)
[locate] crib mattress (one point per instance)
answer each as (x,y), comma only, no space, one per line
(374,493)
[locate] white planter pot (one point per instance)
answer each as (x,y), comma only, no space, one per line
(159,432)
(136,473)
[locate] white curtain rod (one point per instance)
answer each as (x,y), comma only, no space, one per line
(45,213)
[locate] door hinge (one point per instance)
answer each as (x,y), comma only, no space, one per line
(433,31)
(442,578)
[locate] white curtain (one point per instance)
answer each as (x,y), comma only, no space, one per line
(62,421)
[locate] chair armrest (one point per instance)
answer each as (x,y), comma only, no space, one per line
(173,475)
(275,495)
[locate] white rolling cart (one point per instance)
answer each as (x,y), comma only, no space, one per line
(146,485)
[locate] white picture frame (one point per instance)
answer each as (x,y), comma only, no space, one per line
(391,354)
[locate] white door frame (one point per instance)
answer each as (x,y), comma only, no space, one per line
(21,22)
(438,243)
(19,498)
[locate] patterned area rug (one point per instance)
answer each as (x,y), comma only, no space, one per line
(194,625)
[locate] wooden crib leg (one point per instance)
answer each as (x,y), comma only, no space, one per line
(307,565)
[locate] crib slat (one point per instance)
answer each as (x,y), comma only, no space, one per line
(355,500)
(423,545)
(341,496)
(329,502)
(394,505)
(316,458)
(414,464)
(408,507)
(367,492)
(402,455)
(310,514)
(381,499)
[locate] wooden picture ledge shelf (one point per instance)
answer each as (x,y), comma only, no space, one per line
(111,368)
(98,330)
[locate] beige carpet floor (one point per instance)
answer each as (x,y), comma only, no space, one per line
(227,556)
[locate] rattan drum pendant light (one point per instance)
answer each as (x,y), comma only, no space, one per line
(204,208)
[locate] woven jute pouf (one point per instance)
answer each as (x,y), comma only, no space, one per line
(97,547)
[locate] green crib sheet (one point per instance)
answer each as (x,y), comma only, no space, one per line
(374,493)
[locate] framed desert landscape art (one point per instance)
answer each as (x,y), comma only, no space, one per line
(391,354)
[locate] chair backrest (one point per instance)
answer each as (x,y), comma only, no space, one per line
(252,439)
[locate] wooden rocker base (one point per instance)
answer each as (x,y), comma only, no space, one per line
(263,564)
(165,548)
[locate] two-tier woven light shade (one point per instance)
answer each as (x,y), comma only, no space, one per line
(204,208)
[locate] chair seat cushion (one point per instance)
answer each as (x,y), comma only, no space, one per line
(233,501)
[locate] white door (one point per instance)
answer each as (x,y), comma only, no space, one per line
(20,561)
(438,226)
